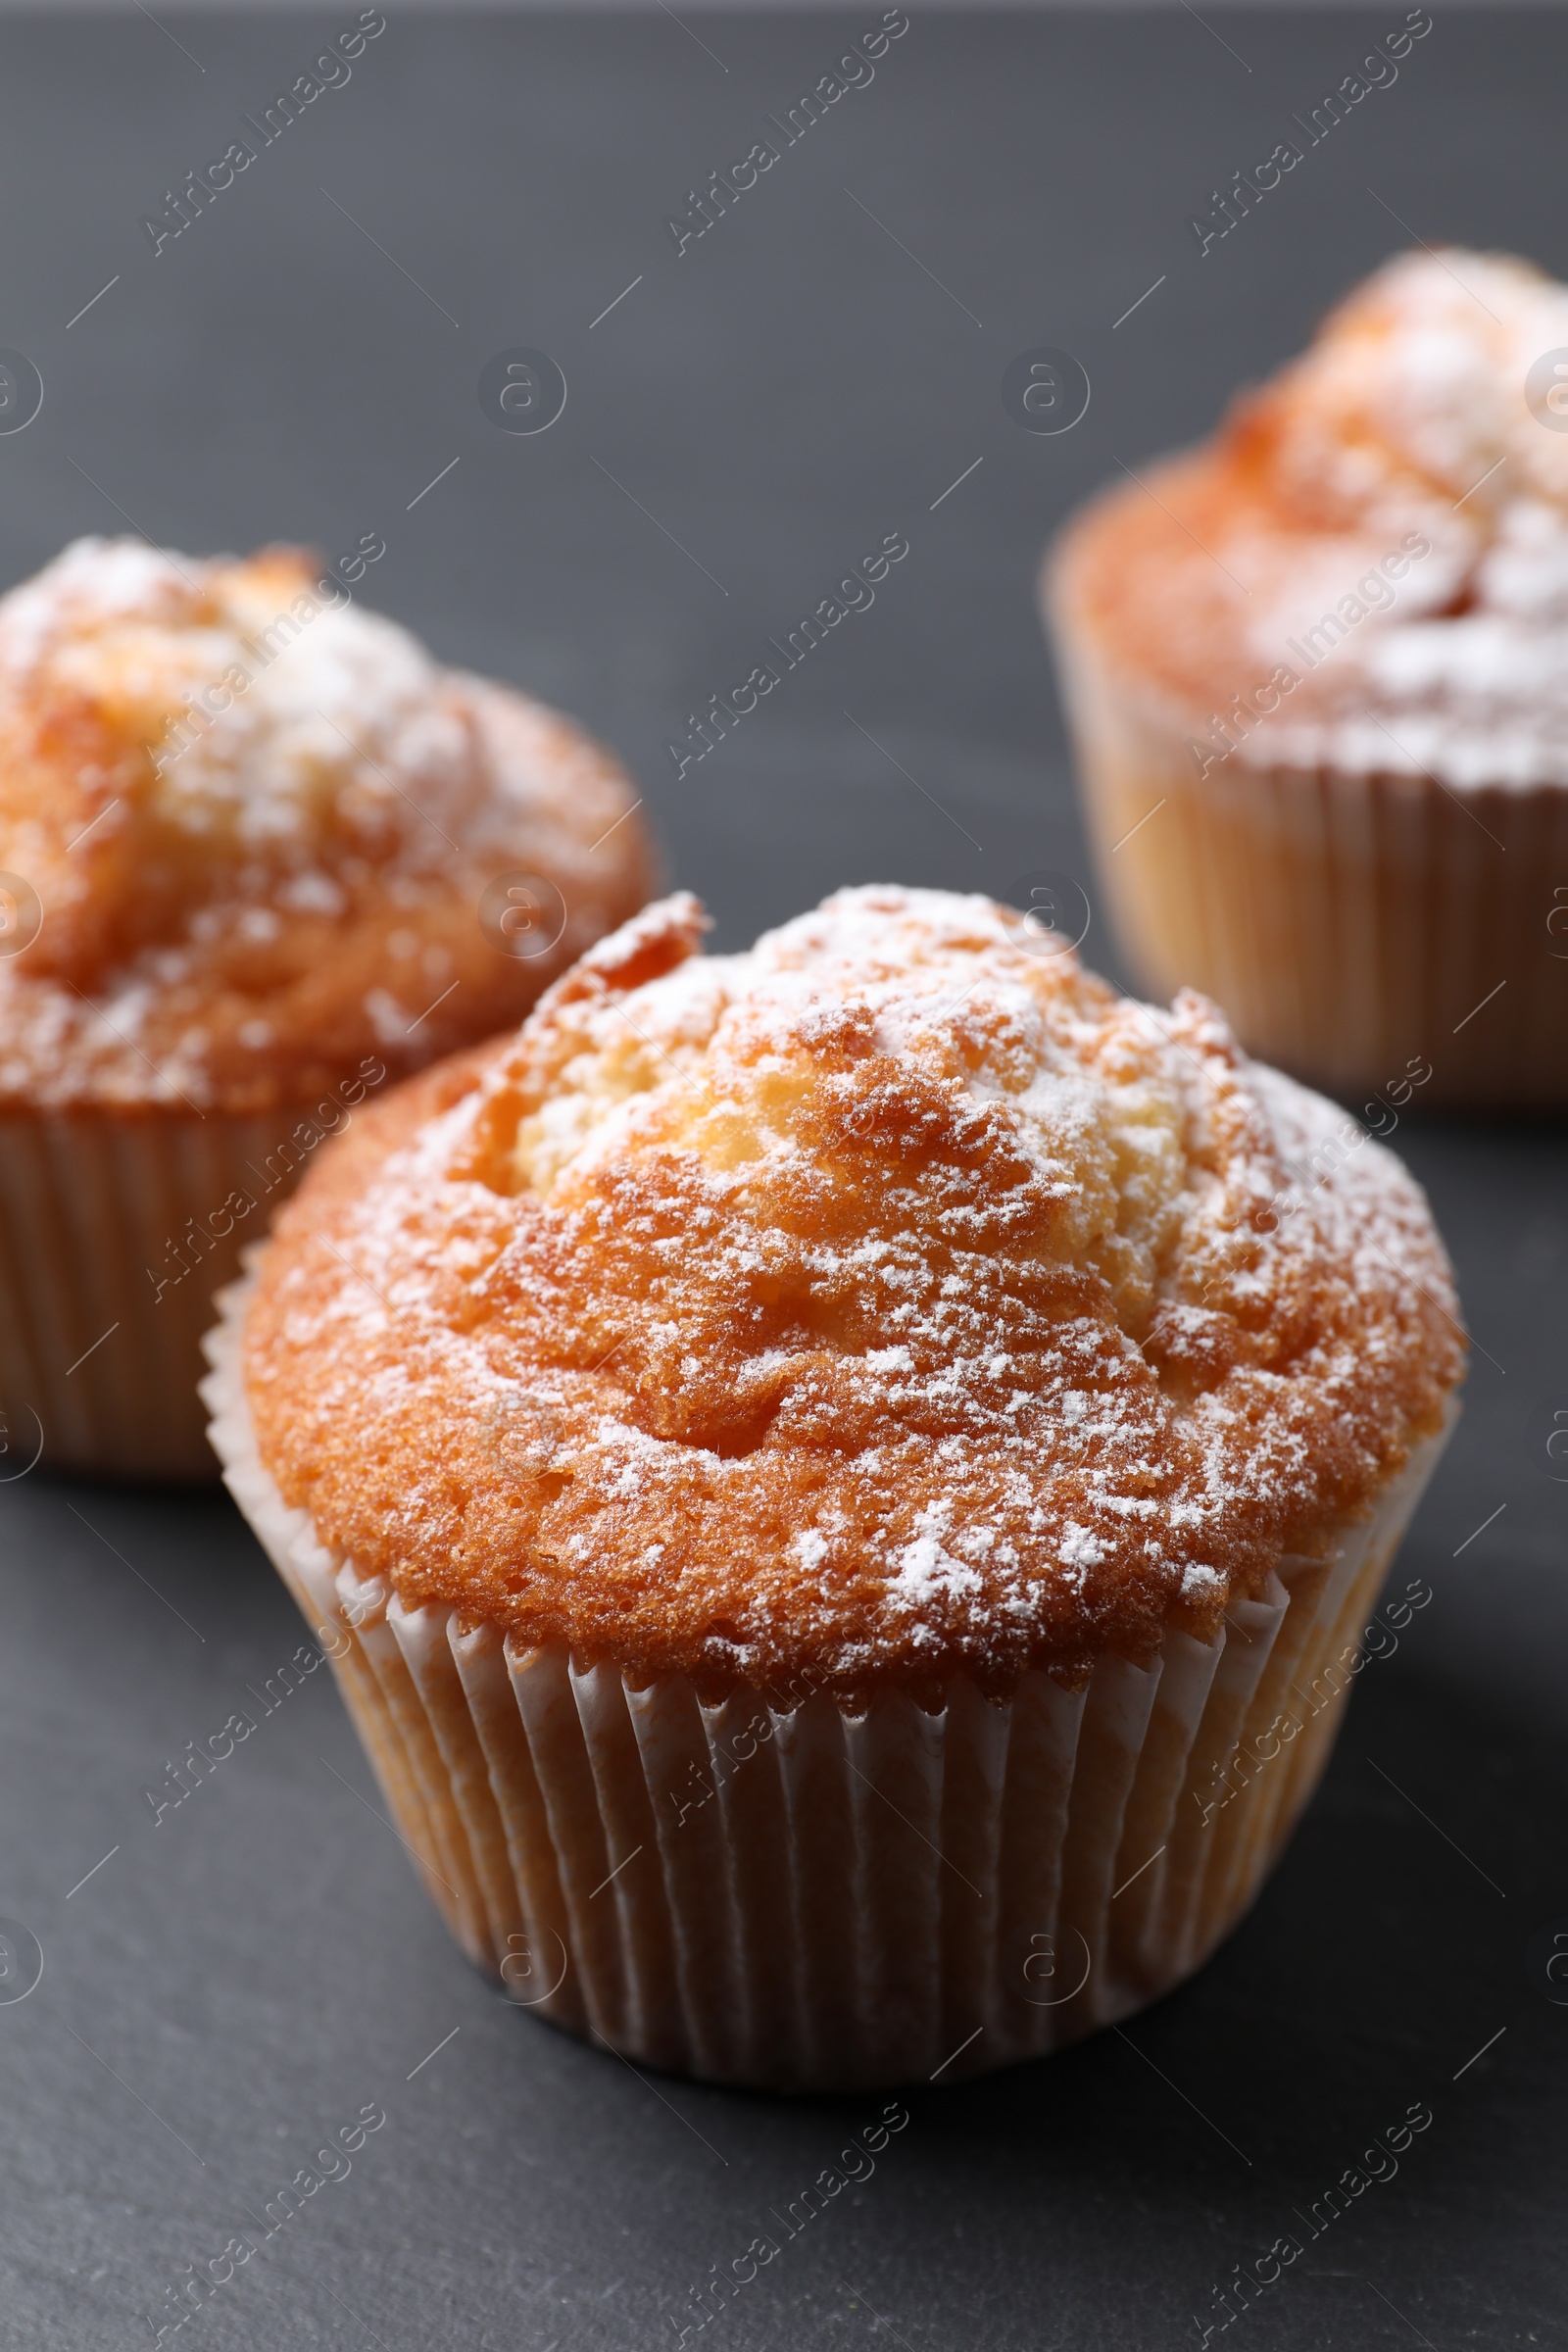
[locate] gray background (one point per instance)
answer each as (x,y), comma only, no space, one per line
(232,1984)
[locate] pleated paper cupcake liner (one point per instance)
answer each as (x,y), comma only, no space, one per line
(808,1899)
(116,1230)
(1349,925)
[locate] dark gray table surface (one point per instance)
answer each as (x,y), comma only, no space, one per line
(236,1981)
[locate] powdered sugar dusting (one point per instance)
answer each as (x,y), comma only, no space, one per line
(1366,569)
(1409,423)
(918,1298)
(260,820)
(254,685)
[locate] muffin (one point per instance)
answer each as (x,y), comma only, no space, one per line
(260,856)
(844,1483)
(1317,673)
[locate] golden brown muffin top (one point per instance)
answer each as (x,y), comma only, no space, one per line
(1372,553)
(892,1297)
(256,824)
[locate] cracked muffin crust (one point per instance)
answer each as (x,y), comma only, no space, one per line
(258,821)
(258,854)
(1317,675)
(891,1300)
(1367,564)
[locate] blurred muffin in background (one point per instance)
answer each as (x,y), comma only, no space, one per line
(259,854)
(1317,673)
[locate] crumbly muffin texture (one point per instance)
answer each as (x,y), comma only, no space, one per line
(1367,568)
(890,1299)
(258,821)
